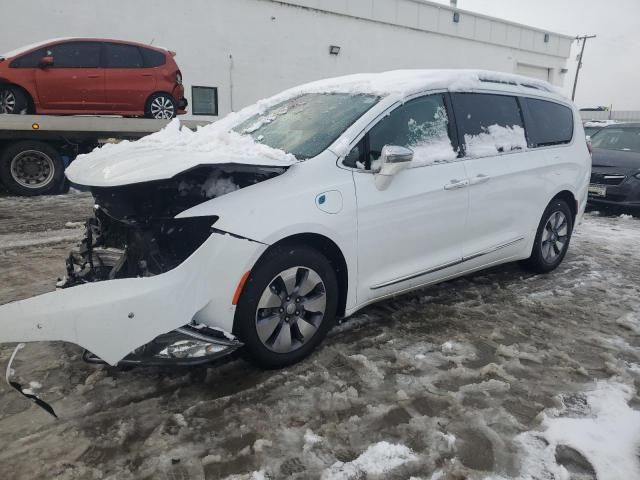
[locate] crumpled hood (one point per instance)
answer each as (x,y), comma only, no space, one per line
(170,151)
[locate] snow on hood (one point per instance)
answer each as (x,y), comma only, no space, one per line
(173,150)
(169,152)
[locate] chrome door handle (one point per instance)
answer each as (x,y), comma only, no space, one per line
(482,178)
(455,184)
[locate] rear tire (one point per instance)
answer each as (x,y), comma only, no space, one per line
(13,101)
(552,238)
(31,168)
(161,106)
(287,306)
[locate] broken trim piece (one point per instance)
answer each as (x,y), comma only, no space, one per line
(15,385)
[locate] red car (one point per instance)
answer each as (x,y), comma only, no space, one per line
(91,76)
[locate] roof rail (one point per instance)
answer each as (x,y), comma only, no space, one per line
(517,84)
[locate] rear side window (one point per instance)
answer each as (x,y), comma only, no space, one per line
(489,124)
(548,123)
(75,55)
(122,56)
(152,58)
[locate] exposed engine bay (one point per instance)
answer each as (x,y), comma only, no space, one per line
(133,232)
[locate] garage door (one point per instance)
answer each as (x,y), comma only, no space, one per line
(540,73)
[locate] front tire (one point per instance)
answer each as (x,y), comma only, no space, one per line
(552,238)
(287,306)
(161,106)
(31,168)
(13,101)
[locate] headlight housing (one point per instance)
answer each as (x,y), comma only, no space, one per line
(637,175)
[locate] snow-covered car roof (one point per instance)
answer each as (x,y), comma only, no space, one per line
(173,150)
(407,82)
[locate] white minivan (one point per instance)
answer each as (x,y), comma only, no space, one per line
(258,231)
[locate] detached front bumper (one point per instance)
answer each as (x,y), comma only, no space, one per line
(115,317)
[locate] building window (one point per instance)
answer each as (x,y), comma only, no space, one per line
(205,100)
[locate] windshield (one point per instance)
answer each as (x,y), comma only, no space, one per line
(306,125)
(623,139)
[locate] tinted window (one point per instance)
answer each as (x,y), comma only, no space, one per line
(30,60)
(205,100)
(548,123)
(476,112)
(75,55)
(490,124)
(152,58)
(421,125)
(122,56)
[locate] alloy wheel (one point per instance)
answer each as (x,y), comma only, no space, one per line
(554,236)
(32,169)
(162,108)
(291,309)
(7,101)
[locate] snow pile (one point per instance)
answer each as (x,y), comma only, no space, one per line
(378,459)
(216,186)
(168,152)
(495,139)
(431,140)
(606,433)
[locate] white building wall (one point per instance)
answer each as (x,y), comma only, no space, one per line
(251,49)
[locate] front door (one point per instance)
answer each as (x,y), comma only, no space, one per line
(75,81)
(411,232)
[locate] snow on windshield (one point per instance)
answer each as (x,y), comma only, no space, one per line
(306,125)
(495,139)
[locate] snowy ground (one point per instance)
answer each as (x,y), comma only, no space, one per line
(499,375)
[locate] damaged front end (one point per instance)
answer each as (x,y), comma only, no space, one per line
(140,276)
(134,232)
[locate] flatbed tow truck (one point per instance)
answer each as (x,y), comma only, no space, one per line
(36,149)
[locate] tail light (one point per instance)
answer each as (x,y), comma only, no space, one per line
(179,78)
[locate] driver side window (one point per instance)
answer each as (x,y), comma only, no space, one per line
(420,124)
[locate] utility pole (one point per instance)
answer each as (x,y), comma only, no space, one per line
(584,39)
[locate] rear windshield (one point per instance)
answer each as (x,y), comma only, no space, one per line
(623,139)
(306,125)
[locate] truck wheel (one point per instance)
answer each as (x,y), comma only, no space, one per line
(13,100)
(161,106)
(287,306)
(31,168)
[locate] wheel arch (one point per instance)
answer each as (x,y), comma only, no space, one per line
(31,107)
(331,251)
(156,92)
(570,199)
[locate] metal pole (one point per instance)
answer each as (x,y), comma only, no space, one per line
(584,39)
